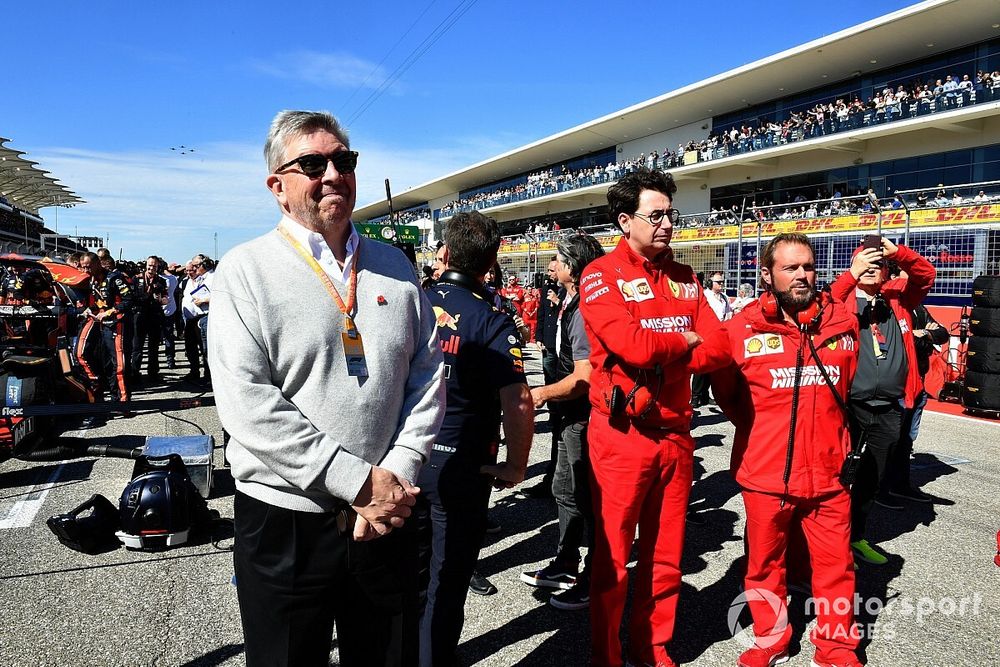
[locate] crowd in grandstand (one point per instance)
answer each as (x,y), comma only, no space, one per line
(404,217)
(839,114)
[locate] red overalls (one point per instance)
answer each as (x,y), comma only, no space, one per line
(634,311)
(756,393)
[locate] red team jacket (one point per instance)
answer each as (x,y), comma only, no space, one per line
(902,294)
(755,392)
(636,309)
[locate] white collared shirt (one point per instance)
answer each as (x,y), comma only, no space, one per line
(320,249)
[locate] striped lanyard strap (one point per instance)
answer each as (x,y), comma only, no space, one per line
(352,285)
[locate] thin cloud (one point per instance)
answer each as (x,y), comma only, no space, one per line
(159,202)
(328,70)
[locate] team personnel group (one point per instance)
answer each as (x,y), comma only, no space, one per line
(123,312)
(371,416)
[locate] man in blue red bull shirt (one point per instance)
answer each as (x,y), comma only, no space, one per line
(484,371)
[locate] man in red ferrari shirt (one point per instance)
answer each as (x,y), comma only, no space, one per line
(794,357)
(514,293)
(644,315)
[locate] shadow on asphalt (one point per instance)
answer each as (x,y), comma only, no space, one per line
(223,484)
(216,657)
(72,472)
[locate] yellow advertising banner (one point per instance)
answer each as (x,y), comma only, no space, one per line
(891,220)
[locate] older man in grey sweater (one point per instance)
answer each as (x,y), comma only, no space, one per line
(328,375)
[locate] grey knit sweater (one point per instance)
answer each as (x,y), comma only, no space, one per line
(304,432)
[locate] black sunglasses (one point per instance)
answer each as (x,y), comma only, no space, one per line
(314,164)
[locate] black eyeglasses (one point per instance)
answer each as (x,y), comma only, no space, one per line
(314,164)
(656,217)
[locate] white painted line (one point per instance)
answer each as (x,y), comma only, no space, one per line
(24,510)
(977,420)
(943,459)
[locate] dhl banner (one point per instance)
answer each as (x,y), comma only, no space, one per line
(891,220)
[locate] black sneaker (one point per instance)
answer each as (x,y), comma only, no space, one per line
(480,585)
(577,597)
(916,495)
(553,575)
(492,527)
(884,500)
(94,421)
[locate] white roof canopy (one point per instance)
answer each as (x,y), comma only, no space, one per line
(27,187)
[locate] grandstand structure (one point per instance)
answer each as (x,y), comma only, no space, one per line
(25,189)
(753,147)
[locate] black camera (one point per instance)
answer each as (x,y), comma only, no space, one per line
(849,471)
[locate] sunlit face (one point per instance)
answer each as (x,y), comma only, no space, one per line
(552,270)
(440,262)
(324,203)
(873,277)
(190,270)
(88,266)
(151,266)
(199,266)
(563,276)
(792,277)
(647,239)
(718,282)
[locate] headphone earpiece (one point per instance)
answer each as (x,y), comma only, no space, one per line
(807,317)
(769,305)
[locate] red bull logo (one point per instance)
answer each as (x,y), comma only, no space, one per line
(450,346)
(444,319)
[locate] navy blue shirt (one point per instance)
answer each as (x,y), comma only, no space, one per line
(482,354)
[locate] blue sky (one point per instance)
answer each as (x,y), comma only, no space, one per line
(99,92)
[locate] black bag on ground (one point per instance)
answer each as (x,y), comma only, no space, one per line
(91,533)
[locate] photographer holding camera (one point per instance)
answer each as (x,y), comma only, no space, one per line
(888,379)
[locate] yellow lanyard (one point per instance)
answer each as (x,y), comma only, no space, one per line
(352,285)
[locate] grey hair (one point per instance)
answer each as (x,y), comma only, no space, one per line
(288,124)
(745,289)
(578,251)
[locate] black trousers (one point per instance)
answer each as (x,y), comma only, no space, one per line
(571,489)
(550,363)
(192,344)
(451,524)
(148,329)
(883,424)
(297,575)
(700,383)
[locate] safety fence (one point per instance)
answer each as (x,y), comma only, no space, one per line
(962,241)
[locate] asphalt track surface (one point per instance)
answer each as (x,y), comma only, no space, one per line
(936,602)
